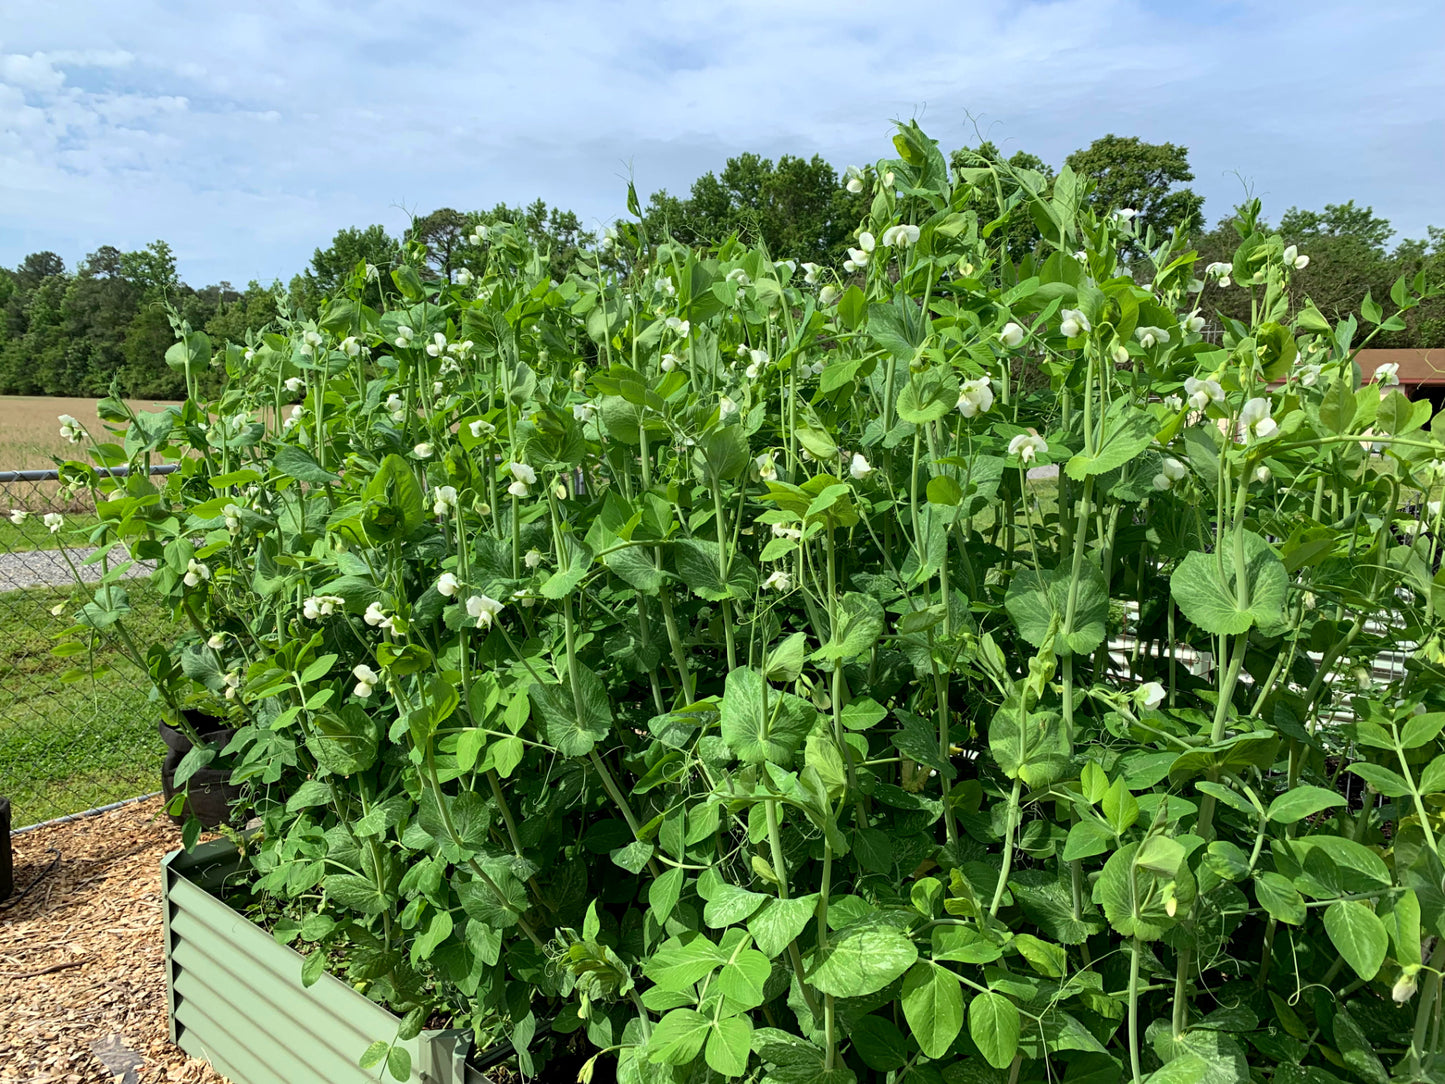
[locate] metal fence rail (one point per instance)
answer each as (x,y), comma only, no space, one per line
(68,741)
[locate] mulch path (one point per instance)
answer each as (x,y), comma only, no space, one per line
(82,974)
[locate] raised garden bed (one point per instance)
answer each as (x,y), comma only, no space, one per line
(235,995)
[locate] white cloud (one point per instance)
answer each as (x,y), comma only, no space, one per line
(247,137)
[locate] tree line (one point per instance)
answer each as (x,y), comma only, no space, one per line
(110,319)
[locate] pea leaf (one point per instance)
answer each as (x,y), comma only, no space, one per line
(993,1024)
(556,713)
(1301,802)
(678,1037)
(758,732)
(933,1007)
(1209,595)
(1359,935)
(863,960)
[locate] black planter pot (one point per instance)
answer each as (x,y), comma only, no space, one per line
(209,792)
(7,866)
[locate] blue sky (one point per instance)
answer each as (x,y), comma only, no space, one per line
(246,135)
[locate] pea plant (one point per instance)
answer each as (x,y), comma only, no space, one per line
(934,669)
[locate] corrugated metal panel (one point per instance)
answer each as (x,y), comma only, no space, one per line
(236,997)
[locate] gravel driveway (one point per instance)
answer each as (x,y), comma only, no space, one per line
(47,568)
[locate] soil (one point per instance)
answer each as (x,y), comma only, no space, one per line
(82,975)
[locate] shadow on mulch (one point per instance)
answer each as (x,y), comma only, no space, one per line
(81,957)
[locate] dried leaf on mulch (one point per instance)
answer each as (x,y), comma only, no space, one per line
(81,956)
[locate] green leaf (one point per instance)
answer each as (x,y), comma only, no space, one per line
(728,1045)
(757,733)
(555,711)
(852,308)
(1421,729)
(933,1006)
(375,1054)
(300,464)
(1036,750)
(1128,430)
(993,1024)
(1390,784)
(1301,802)
(860,624)
(863,960)
(1038,604)
(880,1044)
(664,893)
(1280,898)
(398,1063)
(1359,935)
(1209,596)
(678,1037)
(313,968)
(780,921)
(743,976)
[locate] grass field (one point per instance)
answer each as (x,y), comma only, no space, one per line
(67,747)
(30,430)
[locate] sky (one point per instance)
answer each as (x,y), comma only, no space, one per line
(246,135)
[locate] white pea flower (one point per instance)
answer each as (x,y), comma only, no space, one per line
(1149,695)
(668,287)
(1173,402)
(478,234)
(778,581)
(484,608)
(669,362)
(444,500)
(866,241)
(1220,272)
(18,516)
(682,327)
(70,429)
(197,573)
(1011,335)
(312,338)
(377,617)
(523,473)
(828,294)
(582,412)
(53,520)
(396,407)
(423,450)
(216,641)
(1073,323)
(438,346)
(1202,392)
(481,428)
(1292,258)
(859,468)
(1151,336)
(1028,447)
(1124,214)
(1309,375)
(767,468)
(1170,471)
(853,180)
(1388,374)
(404,335)
(438,387)
(1120,354)
(448,585)
(232,681)
(857,258)
(1193,323)
(233,518)
(901,234)
(810,272)
(518,489)
(1406,985)
(726,408)
(366,679)
(350,346)
(1082,255)
(1301,262)
(320,606)
(532,558)
(1258,425)
(1262,473)
(464,277)
(975,397)
(742,350)
(293,384)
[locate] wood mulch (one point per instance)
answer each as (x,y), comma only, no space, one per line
(82,974)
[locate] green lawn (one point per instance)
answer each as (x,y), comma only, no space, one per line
(69,746)
(34,535)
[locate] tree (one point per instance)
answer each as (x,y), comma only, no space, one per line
(1338,221)
(332,267)
(1144,177)
(796,207)
(444,231)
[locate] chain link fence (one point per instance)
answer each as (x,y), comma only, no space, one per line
(69,740)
